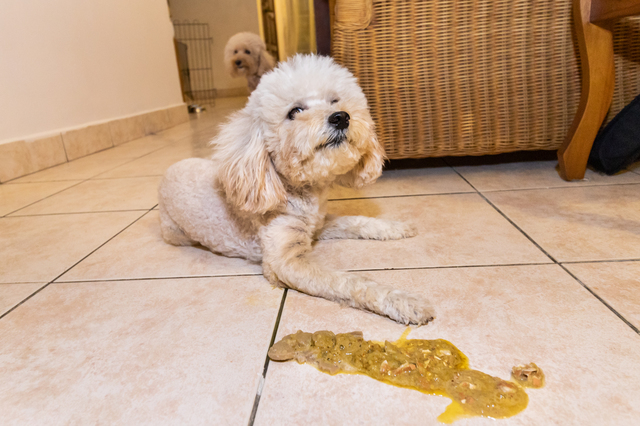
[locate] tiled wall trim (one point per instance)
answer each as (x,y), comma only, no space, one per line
(20,158)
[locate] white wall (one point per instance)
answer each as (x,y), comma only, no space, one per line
(68,63)
(225,18)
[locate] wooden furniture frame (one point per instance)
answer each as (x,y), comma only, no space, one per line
(593,20)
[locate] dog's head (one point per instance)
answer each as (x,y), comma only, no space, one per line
(246,54)
(307,124)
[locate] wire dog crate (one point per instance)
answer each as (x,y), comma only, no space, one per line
(193,48)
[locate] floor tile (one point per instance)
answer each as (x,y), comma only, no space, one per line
(433,180)
(538,174)
(154,164)
(191,147)
(16,196)
(83,168)
(140,252)
(578,224)
(12,294)
(618,283)
(100,195)
(136,148)
(453,230)
(139,352)
(232,103)
(177,133)
(499,317)
(39,248)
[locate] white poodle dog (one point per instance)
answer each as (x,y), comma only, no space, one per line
(264,195)
(245,55)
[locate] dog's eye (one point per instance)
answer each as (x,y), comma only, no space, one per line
(334,101)
(235,52)
(293,112)
(247,52)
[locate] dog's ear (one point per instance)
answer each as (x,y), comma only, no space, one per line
(246,172)
(369,168)
(266,62)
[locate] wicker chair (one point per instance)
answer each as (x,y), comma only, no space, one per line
(472,77)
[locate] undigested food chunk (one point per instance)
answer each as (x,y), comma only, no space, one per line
(529,375)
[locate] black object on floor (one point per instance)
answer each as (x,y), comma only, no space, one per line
(618,144)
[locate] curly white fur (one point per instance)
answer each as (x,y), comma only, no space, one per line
(245,55)
(263,195)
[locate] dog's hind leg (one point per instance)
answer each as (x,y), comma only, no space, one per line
(171,232)
(364,228)
(286,244)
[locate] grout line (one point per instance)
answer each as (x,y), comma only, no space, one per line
(89,281)
(594,185)
(566,270)
(81,181)
(259,274)
(72,266)
(125,177)
(41,199)
(80,158)
(402,196)
(418,268)
(67,213)
(517,227)
(615,312)
(24,300)
(618,314)
(507,218)
(256,401)
(578,262)
(123,164)
(13,182)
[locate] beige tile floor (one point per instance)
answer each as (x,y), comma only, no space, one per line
(103,323)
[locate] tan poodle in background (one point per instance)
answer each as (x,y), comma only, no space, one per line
(264,195)
(245,55)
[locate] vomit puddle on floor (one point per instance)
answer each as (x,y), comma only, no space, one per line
(434,367)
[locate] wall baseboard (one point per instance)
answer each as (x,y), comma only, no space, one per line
(21,158)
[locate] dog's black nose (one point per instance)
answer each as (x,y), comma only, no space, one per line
(238,62)
(339,120)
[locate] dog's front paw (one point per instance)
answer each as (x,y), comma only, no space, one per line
(409,230)
(406,308)
(397,231)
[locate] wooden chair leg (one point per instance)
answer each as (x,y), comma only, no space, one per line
(598,80)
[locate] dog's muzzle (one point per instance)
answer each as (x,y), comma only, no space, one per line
(339,122)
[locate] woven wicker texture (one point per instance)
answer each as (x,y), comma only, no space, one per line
(473,77)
